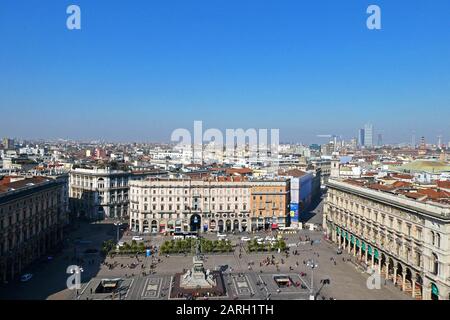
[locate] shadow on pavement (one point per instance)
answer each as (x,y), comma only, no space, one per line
(82,247)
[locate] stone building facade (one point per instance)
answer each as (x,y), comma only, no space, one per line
(406,241)
(99,193)
(270,204)
(221,204)
(33,213)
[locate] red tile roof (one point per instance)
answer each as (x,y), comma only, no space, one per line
(401,184)
(402,176)
(434,194)
(443,184)
(239,171)
(21,183)
(294,173)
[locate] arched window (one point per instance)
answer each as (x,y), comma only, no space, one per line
(432,238)
(435,264)
(438,240)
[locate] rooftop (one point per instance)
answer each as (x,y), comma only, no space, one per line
(425,194)
(430,166)
(13,185)
(430,201)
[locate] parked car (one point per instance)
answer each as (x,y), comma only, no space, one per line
(26,277)
(221,236)
(137,238)
(245,239)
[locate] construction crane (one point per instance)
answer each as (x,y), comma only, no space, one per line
(326,136)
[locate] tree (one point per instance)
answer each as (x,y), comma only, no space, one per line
(282,245)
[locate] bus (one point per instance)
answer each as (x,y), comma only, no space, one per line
(185,235)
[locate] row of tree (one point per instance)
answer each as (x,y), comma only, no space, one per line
(133,248)
(254,246)
(189,246)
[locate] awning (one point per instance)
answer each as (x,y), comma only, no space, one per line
(434,289)
(376,255)
(369,249)
(363,246)
(352,239)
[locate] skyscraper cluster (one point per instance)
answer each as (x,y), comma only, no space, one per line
(366,136)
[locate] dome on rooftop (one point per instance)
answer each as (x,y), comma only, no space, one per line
(431,166)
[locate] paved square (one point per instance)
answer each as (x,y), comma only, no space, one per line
(243,272)
(242,285)
(152,288)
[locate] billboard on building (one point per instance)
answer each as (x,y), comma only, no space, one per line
(294,207)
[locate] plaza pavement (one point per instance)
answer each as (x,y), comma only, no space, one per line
(346,280)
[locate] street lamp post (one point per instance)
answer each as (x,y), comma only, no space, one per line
(312,264)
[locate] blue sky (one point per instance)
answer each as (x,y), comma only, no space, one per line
(139,69)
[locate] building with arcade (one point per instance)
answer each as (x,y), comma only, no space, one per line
(401,232)
(217,204)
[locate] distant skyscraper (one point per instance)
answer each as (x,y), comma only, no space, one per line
(8,143)
(368,135)
(361,137)
(379,140)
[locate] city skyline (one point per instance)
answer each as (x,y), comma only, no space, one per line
(224,151)
(138,72)
(439,140)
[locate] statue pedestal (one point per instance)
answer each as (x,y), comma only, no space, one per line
(197,277)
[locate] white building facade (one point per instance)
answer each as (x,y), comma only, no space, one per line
(99,193)
(174,205)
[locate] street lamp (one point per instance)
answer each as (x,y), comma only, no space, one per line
(312,264)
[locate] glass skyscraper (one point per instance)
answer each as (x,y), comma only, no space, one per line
(368,135)
(361,137)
